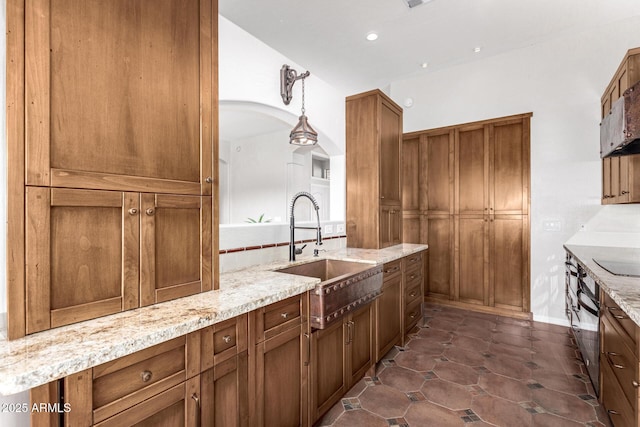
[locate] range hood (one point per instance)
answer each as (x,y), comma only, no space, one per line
(620,129)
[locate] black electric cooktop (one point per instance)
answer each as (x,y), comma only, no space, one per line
(620,268)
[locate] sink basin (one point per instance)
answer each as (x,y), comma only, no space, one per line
(344,287)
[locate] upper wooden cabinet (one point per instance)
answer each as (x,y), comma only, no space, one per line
(620,182)
(374,173)
(119,95)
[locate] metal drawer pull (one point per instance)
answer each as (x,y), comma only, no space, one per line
(146,376)
(391,270)
(284,315)
(194,396)
(150,211)
(414,315)
(612,412)
(413,276)
(226,338)
(413,294)
(617,316)
(635,383)
(133,211)
(611,354)
(208,180)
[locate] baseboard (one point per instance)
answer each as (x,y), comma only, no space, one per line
(552,320)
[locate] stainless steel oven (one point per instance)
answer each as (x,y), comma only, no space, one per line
(582,306)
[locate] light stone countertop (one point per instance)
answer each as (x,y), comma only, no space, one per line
(624,290)
(49,355)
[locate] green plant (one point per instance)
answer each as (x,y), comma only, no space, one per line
(261,219)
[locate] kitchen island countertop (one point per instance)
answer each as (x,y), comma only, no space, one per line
(49,355)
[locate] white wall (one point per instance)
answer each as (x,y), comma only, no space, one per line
(561,82)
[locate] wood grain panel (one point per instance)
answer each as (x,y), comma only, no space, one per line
(77,389)
(411,174)
(438,232)
(437,163)
(46,393)
(328,369)
(508,274)
(508,169)
(390,128)
(472,263)
(85,311)
(98,199)
(411,228)
(15,83)
(147,251)
(208,100)
(471,171)
(362,351)
(131,251)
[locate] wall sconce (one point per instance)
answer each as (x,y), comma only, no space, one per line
(302,133)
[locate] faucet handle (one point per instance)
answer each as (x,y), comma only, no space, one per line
(299,250)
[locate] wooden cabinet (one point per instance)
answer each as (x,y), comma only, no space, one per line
(619,366)
(412,292)
(113,132)
(474,212)
(158,386)
(389,310)
(224,380)
(340,356)
(93,252)
(620,180)
(374,174)
(279,351)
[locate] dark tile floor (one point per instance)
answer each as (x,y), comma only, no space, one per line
(473,369)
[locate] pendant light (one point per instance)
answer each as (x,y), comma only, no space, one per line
(302,133)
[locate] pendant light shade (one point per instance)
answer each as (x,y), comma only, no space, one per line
(303,133)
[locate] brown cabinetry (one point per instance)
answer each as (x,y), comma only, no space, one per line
(373,161)
(474,209)
(225,370)
(619,366)
(620,180)
(279,351)
(412,291)
(389,309)
(116,104)
(340,355)
(158,386)
(92,252)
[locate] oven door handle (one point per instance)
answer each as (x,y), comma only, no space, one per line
(582,288)
(585,306)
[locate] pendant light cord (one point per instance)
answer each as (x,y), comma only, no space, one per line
(303,96)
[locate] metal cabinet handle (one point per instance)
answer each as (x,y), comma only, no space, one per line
(624,192)
(308,359)
(150,211)
(617,316)
(635,383)
(414,315)
(351,330)
(208,180)
(146,376)
(226,338)
(612,412)
(133,211)
(611,354)
(284,315)
(413,294)
(195,397)
(391,270)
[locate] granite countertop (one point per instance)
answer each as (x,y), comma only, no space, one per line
(49,355)
(624,290)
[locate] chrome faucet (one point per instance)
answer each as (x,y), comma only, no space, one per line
(292,225)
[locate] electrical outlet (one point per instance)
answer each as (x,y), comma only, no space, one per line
(328,229)
(340,228)
(552,225)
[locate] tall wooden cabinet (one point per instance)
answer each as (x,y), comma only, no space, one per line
(474,210)
(116,156)
(373,161)
(620,175)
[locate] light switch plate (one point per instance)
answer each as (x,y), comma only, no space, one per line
(340,228)
(328,229)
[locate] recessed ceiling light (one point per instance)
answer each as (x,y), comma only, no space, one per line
(477,49)
(372,36)
(424,64)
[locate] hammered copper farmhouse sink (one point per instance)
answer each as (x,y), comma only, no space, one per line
(344,287)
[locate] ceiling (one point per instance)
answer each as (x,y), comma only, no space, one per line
(329,36)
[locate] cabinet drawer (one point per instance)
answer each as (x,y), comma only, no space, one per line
(391,269)
(223,341)
(613,399)
(413,262)
(124,382)
(412,291)
(620,358)
(621,320)
(280,316)
(412,314)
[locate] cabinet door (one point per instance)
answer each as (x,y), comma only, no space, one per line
(624,190)
(606,181)
(472,171)
(437,232)
(390,226)
(615,179)
(390,154)
(360,337)
(82,255)
(328,368)
(509,252)
(509,167)
(472,259)
(175,249)
(149,129)
(437,168)
(225,397)
(411,174)
(388,316)
(281,380)
(178,406)
(411,228)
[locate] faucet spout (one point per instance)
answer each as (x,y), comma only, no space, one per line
(292,224)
